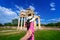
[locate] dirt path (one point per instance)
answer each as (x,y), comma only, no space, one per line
(48,28)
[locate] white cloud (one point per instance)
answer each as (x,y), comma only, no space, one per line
(51,19)
(42,19)
(7,14)
(7,11)
(36,13)
(0,14)
(32,8)
(19,9)
(55,20)
(53,9)
(46,21)
(52,5)
(22,9)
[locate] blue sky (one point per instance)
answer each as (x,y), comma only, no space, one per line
(49,10)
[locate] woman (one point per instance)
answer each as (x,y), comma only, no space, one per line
(30,29)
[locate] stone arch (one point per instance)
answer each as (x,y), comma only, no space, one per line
(35,24)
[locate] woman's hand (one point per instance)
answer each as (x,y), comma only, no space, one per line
(28,34)
(22,39)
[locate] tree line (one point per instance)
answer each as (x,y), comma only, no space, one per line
(15,23)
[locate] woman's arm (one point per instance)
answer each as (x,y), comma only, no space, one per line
(28,34)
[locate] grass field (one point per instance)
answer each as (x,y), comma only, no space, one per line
(39,35)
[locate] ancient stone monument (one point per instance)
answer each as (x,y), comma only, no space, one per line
(22,18)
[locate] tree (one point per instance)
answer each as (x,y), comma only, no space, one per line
(8,24)
(15,22)
(1,24)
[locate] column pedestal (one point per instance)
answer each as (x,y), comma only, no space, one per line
(21,22)
(35,23)
(39,23)
(18,23)
(24,22)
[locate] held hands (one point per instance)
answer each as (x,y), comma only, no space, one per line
(22,39)
(28,34)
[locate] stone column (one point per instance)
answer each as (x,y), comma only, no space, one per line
(18,23)
(24,22)
(34,23)
(21,22)
(39,23)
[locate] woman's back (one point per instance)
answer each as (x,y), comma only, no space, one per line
(32,30)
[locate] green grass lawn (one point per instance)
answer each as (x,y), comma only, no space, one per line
(39,35)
